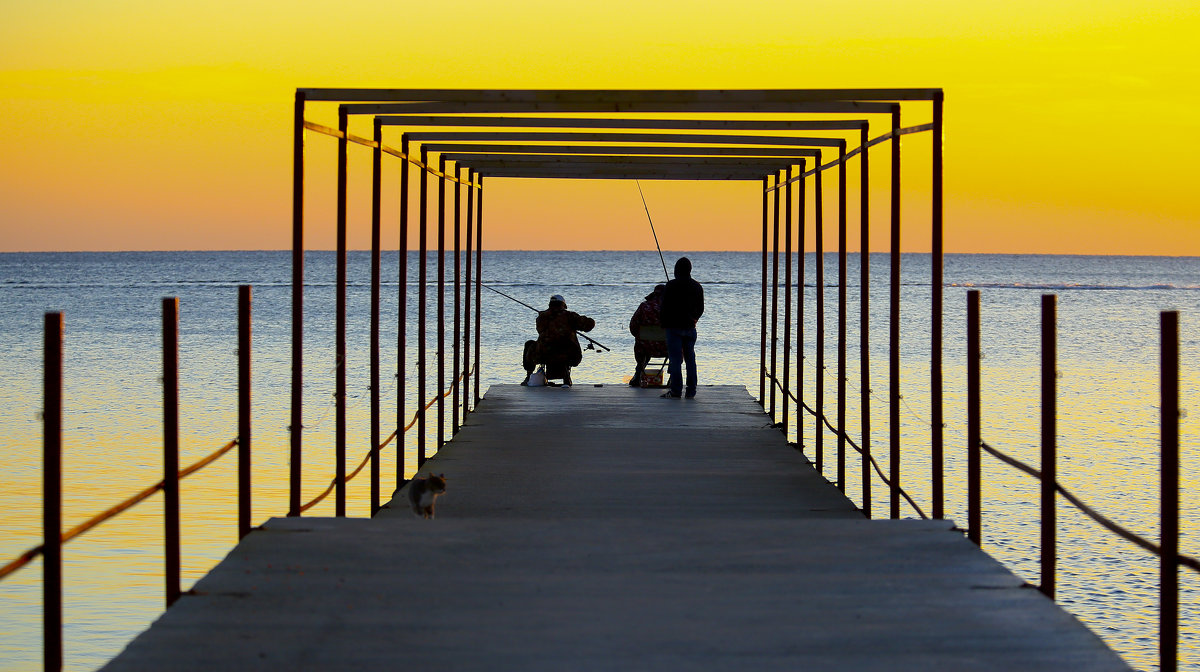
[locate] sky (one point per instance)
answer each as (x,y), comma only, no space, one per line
(1071,127)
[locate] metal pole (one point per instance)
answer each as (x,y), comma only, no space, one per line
(421,307)
(1049,444)
(244,439)
(457,296)
(974,489)
(296,428)
(841,348)
(52,392)
(819,367)
(774,295)
(937,448)
(339,390)
(402,319)
(376,245)
(762,353)
(787,296)
(441,304)
(170,324)
(478,285)
(1168,629)
(800,214)
(894,355)
(864,316)
(467,295)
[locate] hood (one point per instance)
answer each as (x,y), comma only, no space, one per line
(683,268)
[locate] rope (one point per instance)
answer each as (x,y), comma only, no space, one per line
(857,150)
(26,557)
(824,419)
(333,484)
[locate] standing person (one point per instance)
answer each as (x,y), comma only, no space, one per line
(557,346)
(682,306)
(646,315)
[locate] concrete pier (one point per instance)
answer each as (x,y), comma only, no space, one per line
(603,528)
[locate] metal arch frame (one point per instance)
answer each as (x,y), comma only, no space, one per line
(795,101)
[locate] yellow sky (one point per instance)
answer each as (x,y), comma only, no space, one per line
(1071,127)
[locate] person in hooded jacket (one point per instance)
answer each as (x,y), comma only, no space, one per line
(646,315)
(557,346)
(682,306)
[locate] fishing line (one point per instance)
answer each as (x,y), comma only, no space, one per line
(656,245)
(591,340)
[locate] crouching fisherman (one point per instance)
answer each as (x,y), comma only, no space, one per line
(556,347)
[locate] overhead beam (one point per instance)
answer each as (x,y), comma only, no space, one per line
(461,150)
(536,136)
(726,107)
(661,124)
(618,96)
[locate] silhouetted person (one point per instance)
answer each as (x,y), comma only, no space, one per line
(556,346)
(682,306)
(646,315)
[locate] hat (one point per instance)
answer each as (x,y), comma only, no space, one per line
(558,298)
(658,289)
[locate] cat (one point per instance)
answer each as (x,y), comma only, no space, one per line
(423,491)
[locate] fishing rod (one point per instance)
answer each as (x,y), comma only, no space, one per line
(660,254)
(591,340)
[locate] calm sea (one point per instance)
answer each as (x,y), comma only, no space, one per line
(1108,400)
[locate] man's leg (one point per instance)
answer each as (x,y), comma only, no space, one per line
(639,370)
(529,359)
(674,360)
(688,338)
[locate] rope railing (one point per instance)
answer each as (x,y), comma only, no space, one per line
(113,511)
(358,140)
(333,484)
(825,420)
(1101,519)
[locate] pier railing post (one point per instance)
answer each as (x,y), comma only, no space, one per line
(937,447)
(1168,632)
(52,392)
(864,317)
(762,330)
(466,345)
(478,285)
(819,366)
(339,391)
(441,303)
(800,214)
(402,318)
(774,296)
(974,498)
(457,297)
(376,253)
(787,295)
(296,429)
(244,439)
(423,216)
(841,347)
(894,355)
(1049,444)
(170,324)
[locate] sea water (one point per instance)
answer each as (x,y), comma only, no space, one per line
(1108,347)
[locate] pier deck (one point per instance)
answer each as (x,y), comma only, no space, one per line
(603,528)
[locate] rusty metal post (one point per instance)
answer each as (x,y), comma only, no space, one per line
(457,296)
(339,390)
(937,448)
(787,295)
(467,376)
(864,316)
(841,336)
(52,393)
(170,324)
(774,295)
(1049,445)
(894,340)
(244,439)
(819,367)
(402,318)
(974,487)
(441,303)
(421,307)
(1168,601)
(762,352)
(478,284)
(376,252)
(296,428)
